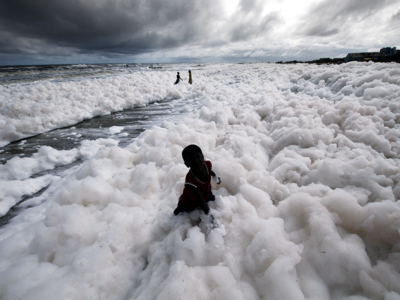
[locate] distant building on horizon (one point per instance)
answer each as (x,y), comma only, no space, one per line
(383,55)
(387,54)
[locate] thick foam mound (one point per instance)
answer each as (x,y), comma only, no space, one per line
(307,209)
(29,109)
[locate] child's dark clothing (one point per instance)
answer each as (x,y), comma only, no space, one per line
(187,201)
(178,78)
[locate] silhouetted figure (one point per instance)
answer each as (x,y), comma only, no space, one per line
(197,190)
(178,78)
(190,77)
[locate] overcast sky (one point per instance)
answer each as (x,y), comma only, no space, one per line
(101,31)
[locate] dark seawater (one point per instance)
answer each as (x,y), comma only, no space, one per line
(26,74)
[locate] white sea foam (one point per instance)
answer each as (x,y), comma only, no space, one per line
(15,180)
(115,129)
(29,109)
(308,205)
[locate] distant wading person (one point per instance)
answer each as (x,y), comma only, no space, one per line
(197,190)
(178,78)
(190,77)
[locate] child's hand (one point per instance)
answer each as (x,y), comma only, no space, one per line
(216,178)
(213,222)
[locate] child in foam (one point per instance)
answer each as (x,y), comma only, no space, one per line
(178,78)
(197,190)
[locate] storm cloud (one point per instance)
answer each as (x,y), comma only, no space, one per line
(59,30)
(108,25)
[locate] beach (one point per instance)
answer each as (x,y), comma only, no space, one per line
(308,208)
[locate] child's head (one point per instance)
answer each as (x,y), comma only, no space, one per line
(189,153)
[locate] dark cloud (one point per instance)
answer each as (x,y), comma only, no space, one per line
(396,17)
(322,30)
(330,17)
(249,22)
(249,5)
(127,26)
(244,30)
(116,29)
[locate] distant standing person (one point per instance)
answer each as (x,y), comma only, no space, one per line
(190,77)
(178,78)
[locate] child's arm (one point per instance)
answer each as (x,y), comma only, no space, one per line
(203,204)
(178,209)
(215,177)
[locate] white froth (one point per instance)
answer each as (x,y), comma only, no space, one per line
(307,209)
(29,109)
(115,129)
(14,175)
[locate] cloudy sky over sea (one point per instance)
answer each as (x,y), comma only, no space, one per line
(93,31)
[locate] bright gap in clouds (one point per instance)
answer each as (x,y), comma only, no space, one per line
(289,10)
(292,10)
(230,6)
